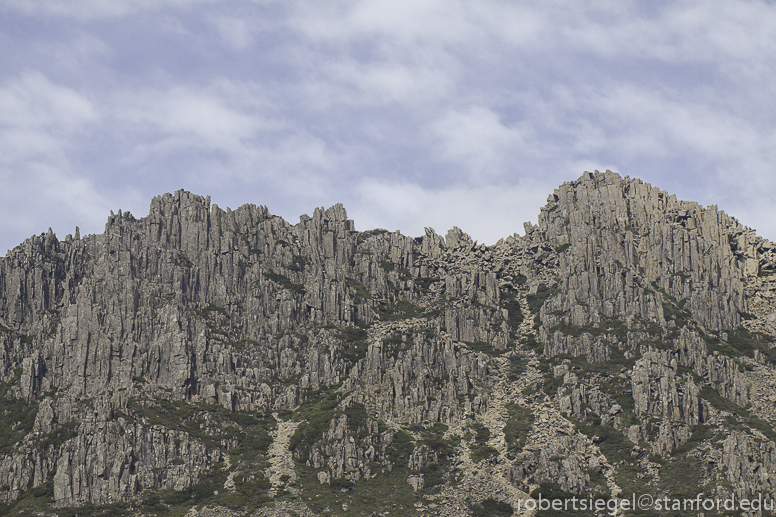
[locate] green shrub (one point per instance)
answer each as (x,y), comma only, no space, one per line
(401,448)
(315,414)
(399,310)
(543,293)
(387,266)
(720,402)
(702,432)
(17,417)
(362,293)
(60,435)
(423,284)
(354,345)
(484,347)
(184,261)
(298,263)
(284,282)
(517,428)
(363,236)
(491,508)
(510,302)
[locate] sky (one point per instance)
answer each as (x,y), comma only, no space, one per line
(411,113)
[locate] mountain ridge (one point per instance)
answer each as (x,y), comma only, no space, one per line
(624,339)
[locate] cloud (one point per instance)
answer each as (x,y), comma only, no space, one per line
(75,199)
(92,9)
(31,100)
(390,81)
(450,110)
(399,20)
(476,137)
(409,207)
(235,32)
(230,128)
(204,117)
(39,120)
(41,123)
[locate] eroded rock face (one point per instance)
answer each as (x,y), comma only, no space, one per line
(232,358)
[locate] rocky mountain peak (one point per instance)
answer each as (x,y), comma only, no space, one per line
(203,361)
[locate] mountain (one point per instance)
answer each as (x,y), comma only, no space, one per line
(204,362)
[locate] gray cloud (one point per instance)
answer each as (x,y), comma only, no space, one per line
(411,113)
(93,9)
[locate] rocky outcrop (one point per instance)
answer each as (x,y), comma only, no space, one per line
(198,358)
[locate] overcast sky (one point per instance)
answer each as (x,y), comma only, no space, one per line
(411,113)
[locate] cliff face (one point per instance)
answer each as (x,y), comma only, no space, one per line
(201,357)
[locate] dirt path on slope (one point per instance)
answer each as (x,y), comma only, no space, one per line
(281,472)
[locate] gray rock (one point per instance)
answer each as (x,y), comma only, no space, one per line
(625,325)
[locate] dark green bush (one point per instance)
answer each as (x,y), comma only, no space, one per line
(491,508)
(543,293)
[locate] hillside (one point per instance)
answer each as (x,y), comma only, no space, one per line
(235,363)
